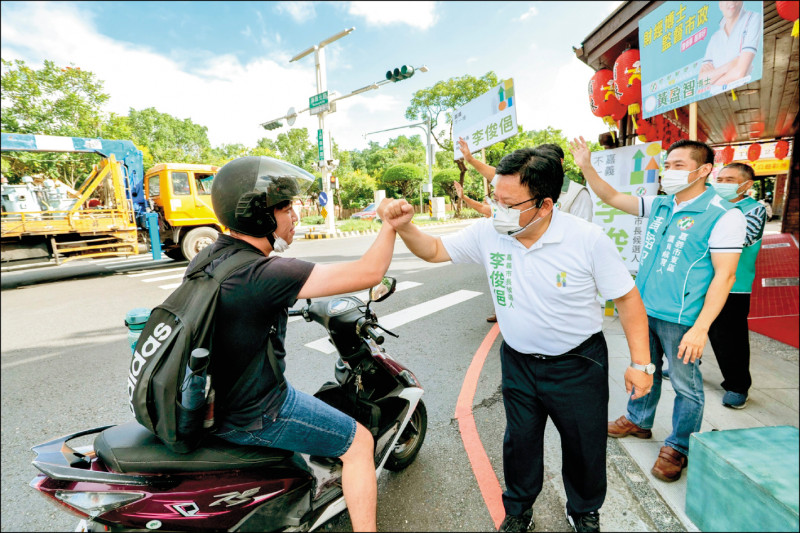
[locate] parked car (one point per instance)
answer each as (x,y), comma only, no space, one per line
(368,213)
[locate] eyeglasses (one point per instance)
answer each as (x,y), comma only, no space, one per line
(504,206)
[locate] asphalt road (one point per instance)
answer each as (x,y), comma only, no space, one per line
(65,357)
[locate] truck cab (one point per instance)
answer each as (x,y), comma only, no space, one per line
(181,195)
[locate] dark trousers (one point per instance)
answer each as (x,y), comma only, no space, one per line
(730,340)
(573,391)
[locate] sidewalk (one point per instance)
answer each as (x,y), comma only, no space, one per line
(773,398)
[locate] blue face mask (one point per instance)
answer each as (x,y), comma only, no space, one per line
(728,191)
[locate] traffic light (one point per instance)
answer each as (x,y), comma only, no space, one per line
(334,182)
(399,74)
(272,125)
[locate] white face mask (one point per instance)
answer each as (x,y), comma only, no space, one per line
(506,220)
(674,181)
(279,245)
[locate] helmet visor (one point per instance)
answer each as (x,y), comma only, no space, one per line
(281,181)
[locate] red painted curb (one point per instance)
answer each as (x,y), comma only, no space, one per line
(481,466)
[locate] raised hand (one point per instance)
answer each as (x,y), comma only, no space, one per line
(581,153)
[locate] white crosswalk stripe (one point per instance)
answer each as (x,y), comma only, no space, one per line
(406,315)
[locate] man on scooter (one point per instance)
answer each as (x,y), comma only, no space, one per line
(545,268)
(253,196)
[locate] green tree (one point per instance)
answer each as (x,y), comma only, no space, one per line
(295,148)
(50,101)
(356,188)
(406,177)
(169,139)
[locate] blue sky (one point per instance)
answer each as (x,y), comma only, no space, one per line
(226,65)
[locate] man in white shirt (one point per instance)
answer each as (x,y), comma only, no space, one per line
(731,50)
(545,269)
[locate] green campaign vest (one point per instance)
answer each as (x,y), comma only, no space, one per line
(676,267)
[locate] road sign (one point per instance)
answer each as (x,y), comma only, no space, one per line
(487,119)
(323,199)
(321,145)
(324,213)
(318,103)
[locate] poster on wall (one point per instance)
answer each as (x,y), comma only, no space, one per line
(630,170)
(487,119)
(691,51)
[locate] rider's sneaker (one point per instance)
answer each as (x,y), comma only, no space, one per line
(584,521)
(519,523)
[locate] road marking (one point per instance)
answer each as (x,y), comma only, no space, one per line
(406,315)
(478,459)
(169,286)
(151,272)
(117,260)
(162,278)
(401,286)
(29,360)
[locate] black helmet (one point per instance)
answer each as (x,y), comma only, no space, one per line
(246,190)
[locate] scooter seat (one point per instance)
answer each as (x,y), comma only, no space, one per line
(131,447)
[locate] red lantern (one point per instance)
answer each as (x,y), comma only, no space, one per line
(602,99)
(781,149)
(754,152)
(628,81)
(727,155)
(789,11)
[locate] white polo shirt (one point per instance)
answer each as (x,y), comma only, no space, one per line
(545,296)
(745,37)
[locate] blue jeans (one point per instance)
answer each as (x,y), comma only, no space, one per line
(687,412)
(305,424)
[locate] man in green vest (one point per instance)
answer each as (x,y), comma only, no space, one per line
(729,334)
(691,248)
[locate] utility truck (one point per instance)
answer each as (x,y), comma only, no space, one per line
(113,213)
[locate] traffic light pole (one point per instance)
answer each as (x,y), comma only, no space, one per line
(426,126)
(327,164)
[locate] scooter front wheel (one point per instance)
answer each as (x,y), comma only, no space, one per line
(410,441)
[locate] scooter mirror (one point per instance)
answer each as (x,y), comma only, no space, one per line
(382,290)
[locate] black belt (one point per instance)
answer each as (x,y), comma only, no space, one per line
(572,353)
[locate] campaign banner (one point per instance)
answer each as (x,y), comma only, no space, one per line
(487,119)
(691,51)
(630,170)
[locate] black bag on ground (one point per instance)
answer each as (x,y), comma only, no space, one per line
(183,323)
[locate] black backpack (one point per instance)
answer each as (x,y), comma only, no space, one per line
(175,328)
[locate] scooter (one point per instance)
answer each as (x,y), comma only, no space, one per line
(127,480)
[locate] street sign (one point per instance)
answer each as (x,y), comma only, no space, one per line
(320,145)
(324,213)
(487,119)
(318,103)
(323,199)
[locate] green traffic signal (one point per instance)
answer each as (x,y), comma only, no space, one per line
(399,74)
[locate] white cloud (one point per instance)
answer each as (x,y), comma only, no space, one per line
(536,95)
(231,98)
(421,15)
(227,96)
(299,11)
(532,12)
(472,60)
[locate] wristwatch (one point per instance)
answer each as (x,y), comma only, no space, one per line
(649,368)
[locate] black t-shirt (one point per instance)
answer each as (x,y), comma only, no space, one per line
(251,301)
